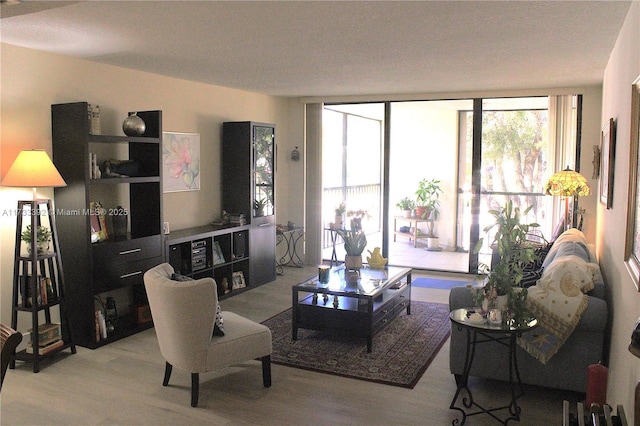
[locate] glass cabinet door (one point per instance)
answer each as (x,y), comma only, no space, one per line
(263,193)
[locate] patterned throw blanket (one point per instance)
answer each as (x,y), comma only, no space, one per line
(557,301)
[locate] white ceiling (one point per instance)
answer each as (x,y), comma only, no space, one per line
(325,48)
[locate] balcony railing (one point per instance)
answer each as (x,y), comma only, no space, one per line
(357,197)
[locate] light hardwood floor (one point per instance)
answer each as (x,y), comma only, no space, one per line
(122,384)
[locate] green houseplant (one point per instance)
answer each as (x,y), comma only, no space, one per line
(406,205)
(338,221)
(515,252)
(259,205)
(354,244)
(428,198)
(43,237)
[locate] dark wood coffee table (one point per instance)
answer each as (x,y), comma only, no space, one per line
(359,310)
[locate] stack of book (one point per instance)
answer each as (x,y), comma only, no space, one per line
(237,219)
(48,339)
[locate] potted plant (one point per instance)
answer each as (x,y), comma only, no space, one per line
(515,252)
(43,237)
(354,244)
(259,205)
(428,198)
(406,205)
(338,220)
(356,218)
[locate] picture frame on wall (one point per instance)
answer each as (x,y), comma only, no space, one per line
(632,246)
(608,149)
(180,161)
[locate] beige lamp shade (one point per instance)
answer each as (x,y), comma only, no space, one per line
(33,169)
(567,183)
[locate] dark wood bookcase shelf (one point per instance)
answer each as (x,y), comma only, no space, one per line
(113,267)
(192,252)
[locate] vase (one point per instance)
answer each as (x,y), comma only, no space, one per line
(337,221)
(406,214)
(133,125)
(501,302)
(356,224)
(41,247)
(353,262)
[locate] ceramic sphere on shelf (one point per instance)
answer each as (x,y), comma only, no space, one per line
(133,125)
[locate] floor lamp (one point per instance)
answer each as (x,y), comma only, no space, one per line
(567,183)
(33,169)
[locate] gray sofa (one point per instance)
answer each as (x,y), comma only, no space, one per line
(567,369)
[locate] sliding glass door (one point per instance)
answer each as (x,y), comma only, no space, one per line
(478,152)
(352,173)
(424,147)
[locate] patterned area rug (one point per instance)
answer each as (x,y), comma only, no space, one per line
(401,353)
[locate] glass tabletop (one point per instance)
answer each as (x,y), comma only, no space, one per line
(476,318)
(370,282)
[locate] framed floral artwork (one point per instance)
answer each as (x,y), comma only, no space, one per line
(180,161)
(632,247)
(608,149)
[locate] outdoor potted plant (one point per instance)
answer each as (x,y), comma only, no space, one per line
(502,286)
(354,244)
(43,237)
(428,198)
(356,218)
(338,221)
(406,205)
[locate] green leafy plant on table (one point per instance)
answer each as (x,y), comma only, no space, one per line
(354,244)
(515,251)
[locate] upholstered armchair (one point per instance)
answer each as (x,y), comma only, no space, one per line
(184,313)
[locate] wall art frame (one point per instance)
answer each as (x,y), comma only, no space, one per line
(180,161)
(632,246)
(608,150)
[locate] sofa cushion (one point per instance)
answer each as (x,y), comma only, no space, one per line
(218,325)
(530,278)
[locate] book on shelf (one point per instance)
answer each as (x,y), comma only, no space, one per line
(45,291)
(47,333)
(237,219)
(45,349)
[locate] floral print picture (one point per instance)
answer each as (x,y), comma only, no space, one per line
(180,161)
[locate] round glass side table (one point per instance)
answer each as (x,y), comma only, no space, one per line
(480,330)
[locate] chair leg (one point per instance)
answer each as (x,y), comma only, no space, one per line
(266,371)
(195,389)
(167,374)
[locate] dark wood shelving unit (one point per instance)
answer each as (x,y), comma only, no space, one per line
(248,174)
(191,253)
(97,269)
(29,273)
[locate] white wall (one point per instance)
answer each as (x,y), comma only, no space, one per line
(32,81)
(622,69)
